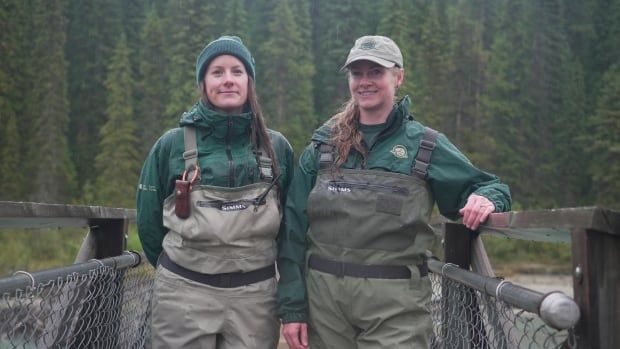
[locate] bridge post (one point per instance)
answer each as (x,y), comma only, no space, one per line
(596,282)
(458,250)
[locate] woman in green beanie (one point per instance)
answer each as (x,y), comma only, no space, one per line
(209,205)
(352,260)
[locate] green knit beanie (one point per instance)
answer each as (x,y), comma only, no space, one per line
(224,45)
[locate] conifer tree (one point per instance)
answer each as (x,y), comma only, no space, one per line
(191,27)
(10,161)
(152,87)
(604,150)
(435,66)
(396,23)
(117,163)
(337,24)
(469,58)
(93,28)
(10,143)
(51,172)
(569,140)
(503,100)
(235,20)
(285,77)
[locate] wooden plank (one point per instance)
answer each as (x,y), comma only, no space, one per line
(563,219)
(32,215)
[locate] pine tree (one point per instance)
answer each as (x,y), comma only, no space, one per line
(52,176)
(10,161)
(503,99)
(337,25)
(569,140)
(191,27)
(284,81)
(433,102)
(604,141)
(10,143)
(117,163)
(152,88)
(396,24)
(235,20)
(93,28)
(469,58)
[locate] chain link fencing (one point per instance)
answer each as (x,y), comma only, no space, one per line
(99,304)
(483,312)
(106,304)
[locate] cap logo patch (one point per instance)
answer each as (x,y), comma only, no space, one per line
(399,151)
(368,45)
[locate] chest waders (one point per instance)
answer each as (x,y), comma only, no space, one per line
(228,230)
(215,285)
(368,236)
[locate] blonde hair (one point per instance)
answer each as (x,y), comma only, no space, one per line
(345,133)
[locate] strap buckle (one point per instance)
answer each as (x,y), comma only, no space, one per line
(428,145)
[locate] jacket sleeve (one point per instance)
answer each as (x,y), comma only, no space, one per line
(292,298)
(453,178)
(150,197)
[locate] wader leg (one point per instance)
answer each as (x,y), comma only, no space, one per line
(328,326)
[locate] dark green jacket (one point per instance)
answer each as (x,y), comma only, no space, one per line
(451,177)
(226,159)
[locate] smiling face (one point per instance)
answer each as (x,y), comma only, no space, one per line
(373,86)
(226,84)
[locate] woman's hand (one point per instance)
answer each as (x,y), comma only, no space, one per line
(296,335)
(476,211)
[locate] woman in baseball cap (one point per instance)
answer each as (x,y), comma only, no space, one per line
(209,210)
(352,261)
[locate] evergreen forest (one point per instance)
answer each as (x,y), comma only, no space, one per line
(527,89)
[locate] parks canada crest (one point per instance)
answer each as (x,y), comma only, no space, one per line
(399,151)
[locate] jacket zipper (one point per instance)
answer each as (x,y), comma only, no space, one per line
(378,187)
(231,164)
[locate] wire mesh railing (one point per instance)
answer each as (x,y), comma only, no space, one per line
(469,310)
(106,304)
(98,304)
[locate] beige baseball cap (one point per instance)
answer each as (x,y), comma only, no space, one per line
(375,48)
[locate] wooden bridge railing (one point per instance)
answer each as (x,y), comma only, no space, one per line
(594,235)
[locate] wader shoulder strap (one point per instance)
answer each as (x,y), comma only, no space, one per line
(423,158)
(190,155)
(326,155)
(265,165)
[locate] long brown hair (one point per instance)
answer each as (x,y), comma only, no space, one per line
(258,128)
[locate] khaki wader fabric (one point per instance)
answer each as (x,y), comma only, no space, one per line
(376,218)
(188,314)
(226,232)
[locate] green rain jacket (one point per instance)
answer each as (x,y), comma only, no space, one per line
(451,177)
(226,159)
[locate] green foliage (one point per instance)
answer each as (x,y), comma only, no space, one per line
(118,161)
(52,175)
(526,88)
(190,28)
(604,149)
(152,90)
(287,102)
(508,256)
(38,249)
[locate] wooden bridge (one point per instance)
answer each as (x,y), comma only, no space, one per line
(593,232)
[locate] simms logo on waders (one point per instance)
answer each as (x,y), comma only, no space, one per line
(223,206)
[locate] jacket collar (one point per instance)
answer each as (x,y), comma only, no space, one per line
(202,116)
